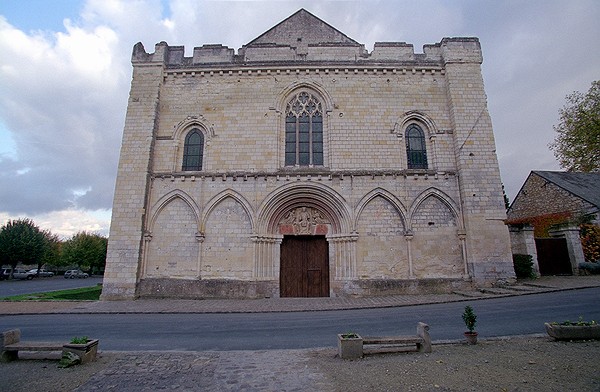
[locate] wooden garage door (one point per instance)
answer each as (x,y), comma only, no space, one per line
(553,256)
(304,270)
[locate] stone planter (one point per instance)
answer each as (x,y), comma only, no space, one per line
(350,347)
(471,337)
(573,332)
(86,351)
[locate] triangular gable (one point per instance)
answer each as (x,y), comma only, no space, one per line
(302,28)
(583,185)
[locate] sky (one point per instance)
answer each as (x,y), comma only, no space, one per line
(65,74)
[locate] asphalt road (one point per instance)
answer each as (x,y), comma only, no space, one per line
(40,285)
(197,332)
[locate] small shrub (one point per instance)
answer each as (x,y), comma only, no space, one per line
(469,318)
(580,322)
(81,340)
(523,266)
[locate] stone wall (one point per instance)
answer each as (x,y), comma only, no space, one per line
(218,231)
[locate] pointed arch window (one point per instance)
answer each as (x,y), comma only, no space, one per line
(193,151)
(304,131)
(416,150)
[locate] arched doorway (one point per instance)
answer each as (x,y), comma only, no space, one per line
(304,268)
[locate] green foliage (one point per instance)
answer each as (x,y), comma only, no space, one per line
(21,241)
(580,322)
(470,318)
(85,250)
(79,340)
(523,266)
(577,143)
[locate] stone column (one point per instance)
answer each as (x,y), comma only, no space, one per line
(266,257)
(570,232)
(522,241)
(409,236)
(343,250)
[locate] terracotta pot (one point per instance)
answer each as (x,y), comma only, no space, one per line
(471,337)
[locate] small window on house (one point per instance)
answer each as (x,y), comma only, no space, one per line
(415,148)
(193,151)
(304,131)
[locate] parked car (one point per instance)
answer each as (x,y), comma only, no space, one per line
(43,273)
(72,274)
(4,273)
(20,273)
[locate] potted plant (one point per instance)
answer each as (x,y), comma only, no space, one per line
(470,319)
(573,330)
(83,347)
(350,345)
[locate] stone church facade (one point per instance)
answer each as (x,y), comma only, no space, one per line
(305,166)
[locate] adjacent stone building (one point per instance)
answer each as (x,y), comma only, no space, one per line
(557,201)
(304,165)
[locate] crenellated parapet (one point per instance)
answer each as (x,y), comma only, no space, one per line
(449,50)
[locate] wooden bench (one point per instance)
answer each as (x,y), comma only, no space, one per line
(11,344)
(421,342)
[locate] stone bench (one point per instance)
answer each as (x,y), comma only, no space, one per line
(11,344)
(421,342)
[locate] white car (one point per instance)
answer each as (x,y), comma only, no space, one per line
(42,273)
(20,273)
(72,274)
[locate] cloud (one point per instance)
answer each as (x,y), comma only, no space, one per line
(63,94)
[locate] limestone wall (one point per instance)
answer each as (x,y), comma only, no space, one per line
(384,223)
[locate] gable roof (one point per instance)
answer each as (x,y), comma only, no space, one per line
(302,27)
(583,185)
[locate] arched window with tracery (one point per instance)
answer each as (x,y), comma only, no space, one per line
(193,151)
(304,131)
(416,150)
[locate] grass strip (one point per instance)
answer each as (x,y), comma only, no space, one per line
(81,294)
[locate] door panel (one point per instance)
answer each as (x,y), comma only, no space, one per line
(304,269)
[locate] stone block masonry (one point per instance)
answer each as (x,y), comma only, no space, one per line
(394,209)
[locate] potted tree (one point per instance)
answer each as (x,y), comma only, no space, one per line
(470,319)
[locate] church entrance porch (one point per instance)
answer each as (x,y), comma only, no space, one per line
(304,270)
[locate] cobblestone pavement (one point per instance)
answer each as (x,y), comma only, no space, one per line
(541,285)
(273,370)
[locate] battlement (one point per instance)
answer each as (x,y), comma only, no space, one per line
(449,50)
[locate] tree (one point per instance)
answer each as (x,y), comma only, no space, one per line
(86,250)
(577,143)
(51,255)
(21,241)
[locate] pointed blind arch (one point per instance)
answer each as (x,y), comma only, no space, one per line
(193,151)
(416,149)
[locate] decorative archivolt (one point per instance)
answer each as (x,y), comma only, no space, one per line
(287,94)
(417,117)
(193,122)
(324,205)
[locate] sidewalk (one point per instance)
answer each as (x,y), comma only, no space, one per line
(541,285)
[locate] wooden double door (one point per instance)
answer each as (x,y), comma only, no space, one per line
(304,269)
